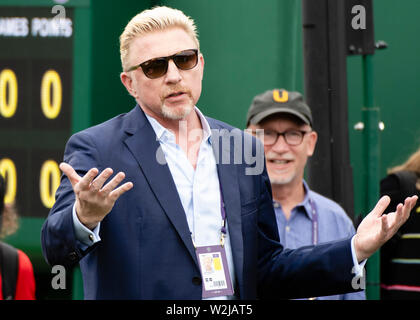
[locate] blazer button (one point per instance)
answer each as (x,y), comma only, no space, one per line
(72,256)
(196,281)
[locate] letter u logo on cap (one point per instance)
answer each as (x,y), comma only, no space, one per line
(284,97)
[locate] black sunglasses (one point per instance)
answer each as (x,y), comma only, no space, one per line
(157,67)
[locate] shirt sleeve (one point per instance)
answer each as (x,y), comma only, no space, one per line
(357,268)
(84,235)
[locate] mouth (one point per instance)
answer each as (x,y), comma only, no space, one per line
(277,161)
(175,94)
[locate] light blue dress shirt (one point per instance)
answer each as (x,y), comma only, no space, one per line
(199,189)
(333,224)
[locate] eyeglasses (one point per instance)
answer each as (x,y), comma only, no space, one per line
(157,67)
(292,137)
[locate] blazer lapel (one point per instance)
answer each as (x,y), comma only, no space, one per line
(228,177)
(143,145)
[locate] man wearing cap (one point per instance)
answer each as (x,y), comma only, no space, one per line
(283,122)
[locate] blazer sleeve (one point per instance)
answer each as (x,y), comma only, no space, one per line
(59,243)
(308,271)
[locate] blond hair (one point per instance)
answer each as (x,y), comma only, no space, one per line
(412,164)
(156,19)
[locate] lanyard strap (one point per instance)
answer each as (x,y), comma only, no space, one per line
(222,209)
(314,223)
(314,229)
(223,227)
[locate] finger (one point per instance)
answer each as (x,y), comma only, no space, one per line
(395,219)
(409,204)
(100,180)
(381,205)
(413,201)
(399,211)
(115,194)
(387,228)
(384,224)
(401,214)
(87,179)
(70,173)
(111,185)
(404,209)
(399,208)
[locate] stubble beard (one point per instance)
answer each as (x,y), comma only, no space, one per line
(176,113)
(281,180)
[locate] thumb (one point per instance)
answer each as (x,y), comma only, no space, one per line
(70,173)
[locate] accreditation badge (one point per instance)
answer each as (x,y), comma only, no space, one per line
(214,271)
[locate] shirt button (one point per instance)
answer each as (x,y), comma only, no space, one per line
(91,237)
(287,228)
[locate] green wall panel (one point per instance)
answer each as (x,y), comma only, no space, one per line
(249,47)
(396,90)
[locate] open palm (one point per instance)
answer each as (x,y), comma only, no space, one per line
(377,228)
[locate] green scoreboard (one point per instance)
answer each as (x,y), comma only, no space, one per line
(59,74)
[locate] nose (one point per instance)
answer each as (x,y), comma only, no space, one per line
(173,74)
(280,146)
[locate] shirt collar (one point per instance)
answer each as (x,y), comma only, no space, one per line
(305,204)
(163,133)
(205,125)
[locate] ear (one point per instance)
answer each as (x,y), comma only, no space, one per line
(201,62)
(253,127)
(250,129)
(312,139)
(128,84)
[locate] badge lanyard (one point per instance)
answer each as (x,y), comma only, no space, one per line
(213,264)
(314,223)
(314,228)
(223,228)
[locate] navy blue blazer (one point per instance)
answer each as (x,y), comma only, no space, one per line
(146,251)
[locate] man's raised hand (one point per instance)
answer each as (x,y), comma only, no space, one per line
(94,200)
(377,228)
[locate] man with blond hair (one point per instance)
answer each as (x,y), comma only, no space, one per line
(189,194)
